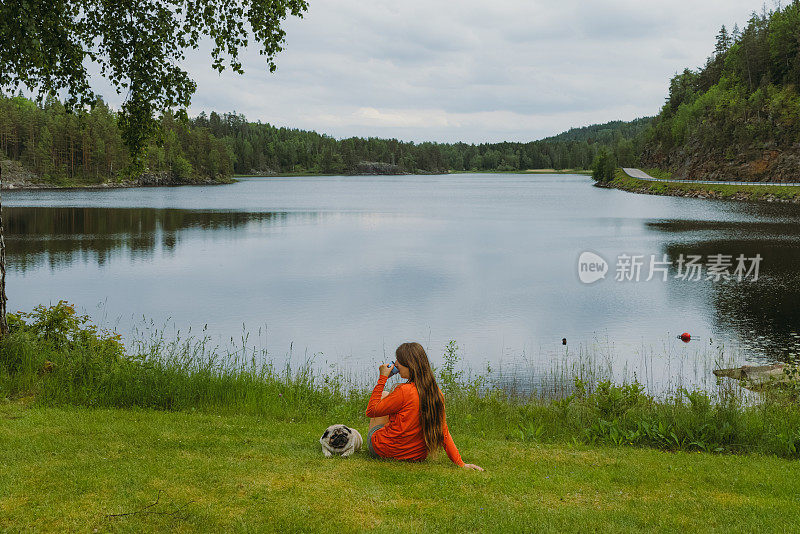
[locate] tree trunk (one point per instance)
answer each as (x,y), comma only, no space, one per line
(3,298)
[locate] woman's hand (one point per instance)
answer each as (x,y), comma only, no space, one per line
(384,369)
(473,466)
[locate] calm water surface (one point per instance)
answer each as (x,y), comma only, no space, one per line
(345,268)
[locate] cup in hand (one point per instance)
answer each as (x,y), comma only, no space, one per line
(394,370)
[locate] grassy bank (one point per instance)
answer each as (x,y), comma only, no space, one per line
(56,358)
(768,193)
(179,437)
(71,469)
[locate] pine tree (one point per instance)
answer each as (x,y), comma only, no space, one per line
(723,41)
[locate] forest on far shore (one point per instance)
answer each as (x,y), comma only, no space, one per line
(85,146)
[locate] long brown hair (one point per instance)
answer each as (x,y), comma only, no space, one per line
(431,401)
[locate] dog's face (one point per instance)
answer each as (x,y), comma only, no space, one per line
(339,439)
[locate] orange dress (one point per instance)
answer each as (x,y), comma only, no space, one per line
(402,436)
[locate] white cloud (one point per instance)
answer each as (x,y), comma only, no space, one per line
(469,70)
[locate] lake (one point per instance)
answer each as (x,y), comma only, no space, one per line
(341,269)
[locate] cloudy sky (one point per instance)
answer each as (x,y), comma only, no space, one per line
(469,70)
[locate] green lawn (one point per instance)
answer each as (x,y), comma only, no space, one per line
(64,469)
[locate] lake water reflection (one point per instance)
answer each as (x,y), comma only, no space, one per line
(348,267)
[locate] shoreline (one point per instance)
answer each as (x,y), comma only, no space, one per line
(527,171)
(16,178)
(42,186)
(104,185)
(753,193)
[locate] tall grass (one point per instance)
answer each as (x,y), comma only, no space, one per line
(59,358)
(551,374)
(55,357)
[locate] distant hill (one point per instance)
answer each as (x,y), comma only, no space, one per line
(607,133)
(263,148)
(737,117)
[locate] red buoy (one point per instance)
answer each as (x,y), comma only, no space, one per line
(685,337)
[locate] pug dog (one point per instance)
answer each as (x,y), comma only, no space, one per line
(340,439)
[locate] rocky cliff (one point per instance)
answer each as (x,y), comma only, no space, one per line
(742,163)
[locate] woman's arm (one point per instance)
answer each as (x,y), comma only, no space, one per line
(450,447)
(389,405)
(452,451)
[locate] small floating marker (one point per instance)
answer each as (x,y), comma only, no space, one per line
(563,341)
(685,337)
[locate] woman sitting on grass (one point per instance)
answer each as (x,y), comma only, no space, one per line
(409,422)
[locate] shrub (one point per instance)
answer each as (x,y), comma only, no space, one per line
(603,166)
